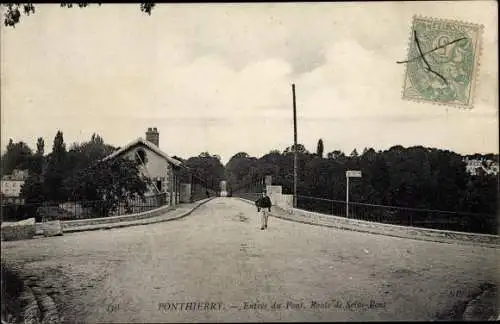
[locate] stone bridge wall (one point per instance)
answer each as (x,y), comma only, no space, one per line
(115,219)
(284,204)
(22,230)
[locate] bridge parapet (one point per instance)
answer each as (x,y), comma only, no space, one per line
(274,192)
(285,210)
(278,198)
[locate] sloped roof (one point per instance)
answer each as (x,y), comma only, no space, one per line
(149,145)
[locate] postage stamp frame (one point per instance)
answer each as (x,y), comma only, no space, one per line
(442,66)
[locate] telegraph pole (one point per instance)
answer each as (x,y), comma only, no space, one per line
(294,149)
(347,197)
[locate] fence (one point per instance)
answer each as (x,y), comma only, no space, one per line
(200,191)
(395,215)
(80,209)
(405,216)
(252,188)
(248,195)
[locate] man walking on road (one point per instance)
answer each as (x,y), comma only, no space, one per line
(263,206)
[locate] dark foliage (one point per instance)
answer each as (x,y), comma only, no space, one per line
(12,288)
(13,11)
(414,177)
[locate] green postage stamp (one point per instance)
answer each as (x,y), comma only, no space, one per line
(443,61)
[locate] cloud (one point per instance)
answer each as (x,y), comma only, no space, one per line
(218,77)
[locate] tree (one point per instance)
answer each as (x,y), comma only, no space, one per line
(33,189)
(11,144)
(319,150)
(240,155)
(354,153)
(336,154)
(108,183)
(56,169)
(17,156)
(40,146)
(415,177)
(12,15)
(204,155)
(207,169)
(84,155)
(38,158)
(369,154)
(59,147)
(239,170)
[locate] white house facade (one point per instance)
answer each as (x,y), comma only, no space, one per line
(476,166)
(11,186)
(154,164)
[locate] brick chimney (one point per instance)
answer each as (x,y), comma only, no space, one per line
(153,136)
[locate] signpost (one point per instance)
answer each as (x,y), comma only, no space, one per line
(350,174)
(353,174)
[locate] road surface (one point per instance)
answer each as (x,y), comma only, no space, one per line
(219,260)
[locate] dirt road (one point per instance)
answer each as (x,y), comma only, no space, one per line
(217,265)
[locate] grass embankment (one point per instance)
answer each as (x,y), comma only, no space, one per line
(12,287)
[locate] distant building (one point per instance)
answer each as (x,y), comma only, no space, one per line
(11,185)
(495,168)
(481,166)
(223,188)
(155,164)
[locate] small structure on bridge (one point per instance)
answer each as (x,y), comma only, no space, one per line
(162,169)
(223,188)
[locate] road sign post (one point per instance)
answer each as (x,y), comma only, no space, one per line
(349,174)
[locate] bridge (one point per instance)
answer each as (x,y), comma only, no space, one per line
(217,265)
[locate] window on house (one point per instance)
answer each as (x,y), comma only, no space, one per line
(141,156)
(158,185)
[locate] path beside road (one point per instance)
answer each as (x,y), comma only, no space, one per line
(179,212)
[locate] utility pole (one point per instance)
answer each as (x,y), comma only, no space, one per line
(294,149)
(347,197)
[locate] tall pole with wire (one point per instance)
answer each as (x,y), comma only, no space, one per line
(294,149)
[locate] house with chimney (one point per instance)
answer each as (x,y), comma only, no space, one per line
(155,164)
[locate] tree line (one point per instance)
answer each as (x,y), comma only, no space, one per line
(74,174)
(78,174)
(414,177)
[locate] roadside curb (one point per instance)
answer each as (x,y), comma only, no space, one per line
(485,302)
(352,227)
(146,221)
(36,306)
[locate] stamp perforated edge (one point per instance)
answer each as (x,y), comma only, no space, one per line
(476,66)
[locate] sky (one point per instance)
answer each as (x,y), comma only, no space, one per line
(217,77)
